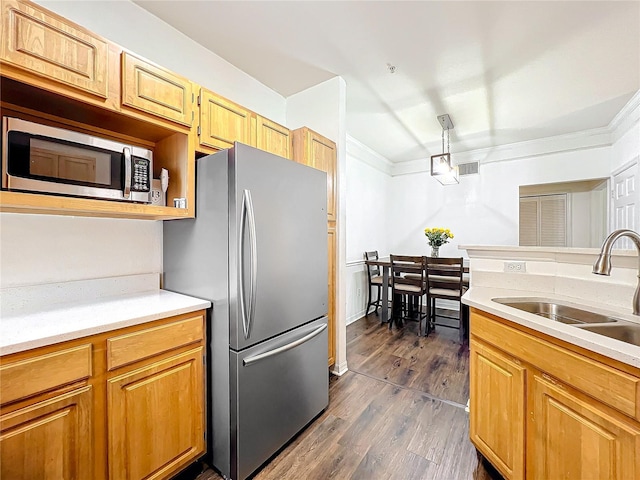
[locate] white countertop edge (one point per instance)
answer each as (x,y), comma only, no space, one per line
(25,332)
(585,256)
(480,297)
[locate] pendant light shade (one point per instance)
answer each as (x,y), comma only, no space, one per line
(441,168)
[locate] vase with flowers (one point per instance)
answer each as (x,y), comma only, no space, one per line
(437,237)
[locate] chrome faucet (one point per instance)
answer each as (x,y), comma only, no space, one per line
(603,263)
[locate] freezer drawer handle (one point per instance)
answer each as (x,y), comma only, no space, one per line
(284,348)
(247,211)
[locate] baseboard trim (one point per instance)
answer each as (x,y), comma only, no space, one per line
(339,369)
(355,316)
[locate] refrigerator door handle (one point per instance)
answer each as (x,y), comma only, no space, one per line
(261,356)
(247,212)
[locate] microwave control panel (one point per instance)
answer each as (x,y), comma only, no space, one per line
(141,175)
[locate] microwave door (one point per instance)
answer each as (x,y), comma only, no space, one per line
(44,159)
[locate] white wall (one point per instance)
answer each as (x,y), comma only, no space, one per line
(367,219)
(483,208)
(39,249)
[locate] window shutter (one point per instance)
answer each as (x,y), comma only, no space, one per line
(543,221)
(529,221)
(553,220)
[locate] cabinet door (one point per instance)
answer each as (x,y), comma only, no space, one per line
(572,437)
(51,47)
(49,440)
(156,417)
(222,122)
(155,90)
(496,409)
(318,152)
(273,138)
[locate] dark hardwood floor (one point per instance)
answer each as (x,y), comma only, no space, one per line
(398,413)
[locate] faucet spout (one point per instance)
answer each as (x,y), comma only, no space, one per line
(603,263)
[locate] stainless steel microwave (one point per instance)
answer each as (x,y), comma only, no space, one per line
(44,159)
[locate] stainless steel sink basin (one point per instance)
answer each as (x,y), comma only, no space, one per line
(623,331)
(557,311)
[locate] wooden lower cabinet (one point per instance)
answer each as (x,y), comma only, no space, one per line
(156,417)
(530,424)
(573,437)
(90,409)
(51,439)
(497,410)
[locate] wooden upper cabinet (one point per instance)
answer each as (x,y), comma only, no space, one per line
(311,148)
(44,44)
(272,137)
(222,121)
(156,91)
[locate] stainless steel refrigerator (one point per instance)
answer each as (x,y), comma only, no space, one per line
(257,250)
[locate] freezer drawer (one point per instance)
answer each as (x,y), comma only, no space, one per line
(282,384)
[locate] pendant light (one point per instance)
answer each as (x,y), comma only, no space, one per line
(441,168)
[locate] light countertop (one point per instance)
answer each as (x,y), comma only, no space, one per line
(481,298)
(24,330)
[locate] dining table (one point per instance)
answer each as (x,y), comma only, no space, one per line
(385,265)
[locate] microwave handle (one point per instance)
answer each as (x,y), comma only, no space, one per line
(127,172)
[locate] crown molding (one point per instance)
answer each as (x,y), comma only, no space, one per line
(361,152)
(626,118)
(587,139)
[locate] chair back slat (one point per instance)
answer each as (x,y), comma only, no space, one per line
(445,273)
(372,270)
(402,265)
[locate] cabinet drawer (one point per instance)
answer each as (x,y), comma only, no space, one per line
(41,373)
(135,346)
(50,47)
(612,387)
(155,90)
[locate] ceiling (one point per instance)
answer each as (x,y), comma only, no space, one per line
(505,71)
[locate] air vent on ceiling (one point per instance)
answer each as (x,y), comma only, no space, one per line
(468,168)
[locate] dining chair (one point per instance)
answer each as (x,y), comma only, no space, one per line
(374,281)
(408,284)
(445,280)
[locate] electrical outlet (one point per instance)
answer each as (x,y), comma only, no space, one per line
(515,267)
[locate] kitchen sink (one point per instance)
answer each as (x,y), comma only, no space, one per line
(555,310)
(623,331)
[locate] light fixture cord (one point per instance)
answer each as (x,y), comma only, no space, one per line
(443,140)
(447,140)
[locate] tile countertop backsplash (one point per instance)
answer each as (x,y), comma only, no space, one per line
(561,274)
(38,315)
